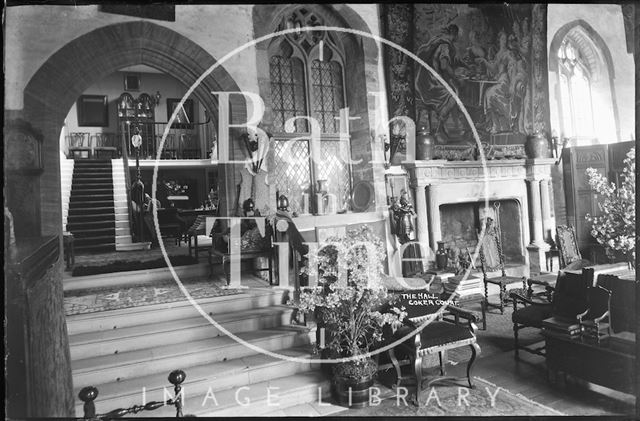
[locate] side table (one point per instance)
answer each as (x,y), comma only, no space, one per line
(549,255)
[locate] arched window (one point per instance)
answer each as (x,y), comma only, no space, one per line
(307,79)
(586,108)
(575,92)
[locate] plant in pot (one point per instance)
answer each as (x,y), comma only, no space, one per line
(348,305)
(615,227)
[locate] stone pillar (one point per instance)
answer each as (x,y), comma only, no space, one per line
(422,224)
(434,217)
(545,203)
(537,248)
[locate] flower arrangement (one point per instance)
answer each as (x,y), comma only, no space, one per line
(615,228)
(350,296)
(176,189)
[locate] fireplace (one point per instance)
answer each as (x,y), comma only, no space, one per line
(460,224)
(450,199)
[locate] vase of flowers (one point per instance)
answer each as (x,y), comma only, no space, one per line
(615,227)
(352,307)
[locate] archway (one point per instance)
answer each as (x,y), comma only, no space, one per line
(89,58)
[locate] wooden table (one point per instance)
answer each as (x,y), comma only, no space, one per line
(607,364)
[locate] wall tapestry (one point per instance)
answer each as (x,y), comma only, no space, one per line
(486,54)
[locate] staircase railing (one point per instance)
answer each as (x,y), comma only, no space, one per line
(89,394)
(183,141)
(127,180)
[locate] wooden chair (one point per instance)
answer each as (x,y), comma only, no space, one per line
(568,248)
(492,259)
(202,241)
(105,142)
(170,150)
(529,311)
(248,251)
(189,147)
(570,299)
(79,145)
(431,333)
(594,322)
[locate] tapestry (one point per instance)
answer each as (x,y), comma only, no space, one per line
(489,56)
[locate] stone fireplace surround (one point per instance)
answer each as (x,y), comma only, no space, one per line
(525,181)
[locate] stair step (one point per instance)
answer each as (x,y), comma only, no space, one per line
(258,399)
(95,232)
(90,210)
(94,248)
(133,246)
(91,188)
(84,217)
(114,341)
(127,365)
(217,376)
(95,197)
(166,312)
(90,181)
(97,240)
(91,225)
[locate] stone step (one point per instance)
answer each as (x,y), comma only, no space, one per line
(124,239)
(131,364)
(141,336)
(133,246)
(167,312)
(258,399)
(216,377)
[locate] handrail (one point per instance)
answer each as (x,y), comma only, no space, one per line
(127,180)
(89,394)
(184,140)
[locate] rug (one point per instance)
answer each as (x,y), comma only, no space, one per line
(94,300)
(485,399)
(129,265)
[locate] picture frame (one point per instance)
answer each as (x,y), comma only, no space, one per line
(185,117)
(132,82)
(93,110)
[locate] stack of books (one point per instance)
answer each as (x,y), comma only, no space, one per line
(561,326)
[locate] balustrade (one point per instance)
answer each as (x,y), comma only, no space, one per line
(184,141)
(89,394)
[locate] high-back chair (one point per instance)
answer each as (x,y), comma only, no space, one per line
(105,142)
(570,299)
(492,260)
(594,322)
(79,145)
(569,253)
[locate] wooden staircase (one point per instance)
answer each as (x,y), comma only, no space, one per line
(91,216)
(127,352)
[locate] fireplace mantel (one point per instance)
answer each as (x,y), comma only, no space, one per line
(424,173)
(440,182)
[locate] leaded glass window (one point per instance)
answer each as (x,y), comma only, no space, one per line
(288,97)
(326,77)
(307,79)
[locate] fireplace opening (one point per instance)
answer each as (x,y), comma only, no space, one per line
(461,224)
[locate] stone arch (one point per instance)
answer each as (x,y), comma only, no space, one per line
(53,89)
(594,39)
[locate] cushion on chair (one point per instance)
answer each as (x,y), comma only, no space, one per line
(531,315)
(504,280)
(562,325)
(439,333)
(204,241)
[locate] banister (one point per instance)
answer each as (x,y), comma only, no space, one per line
(90,393)
(127,176)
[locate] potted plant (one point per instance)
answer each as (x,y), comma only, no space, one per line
(347,303)
(615,228)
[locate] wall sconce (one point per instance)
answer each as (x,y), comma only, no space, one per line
(391,145)
(155,101)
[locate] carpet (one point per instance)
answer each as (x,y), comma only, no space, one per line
(129,265)
(485,399)
(94,300)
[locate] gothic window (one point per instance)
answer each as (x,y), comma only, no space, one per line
(576,102)
(307,79)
